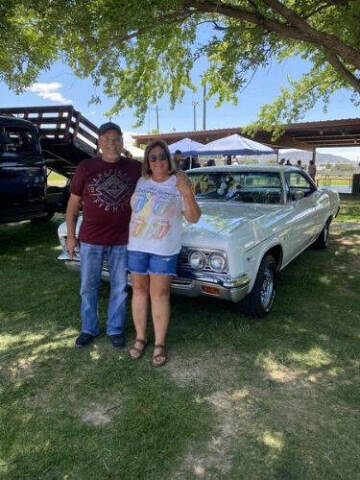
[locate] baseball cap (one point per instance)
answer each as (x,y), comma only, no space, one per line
(109,126)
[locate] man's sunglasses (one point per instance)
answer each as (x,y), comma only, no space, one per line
(153,157)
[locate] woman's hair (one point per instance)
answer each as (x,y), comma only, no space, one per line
(146,170)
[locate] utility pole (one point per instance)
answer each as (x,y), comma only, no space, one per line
(157,118)
(195,104)
(157,110)
(204,107)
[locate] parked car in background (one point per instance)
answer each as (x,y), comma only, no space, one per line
(255,221)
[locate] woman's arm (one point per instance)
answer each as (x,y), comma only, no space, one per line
(192,210)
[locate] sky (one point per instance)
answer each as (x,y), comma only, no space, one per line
(59,85)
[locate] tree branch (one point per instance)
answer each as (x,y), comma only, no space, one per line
(340,67)
(327,40)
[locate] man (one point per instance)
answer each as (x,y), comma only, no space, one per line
(102,186)
(299,164)
(178,160)
(312,169)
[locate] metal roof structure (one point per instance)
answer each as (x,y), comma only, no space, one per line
(305,136)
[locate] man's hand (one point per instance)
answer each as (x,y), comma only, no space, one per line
(183,184)
(71,244)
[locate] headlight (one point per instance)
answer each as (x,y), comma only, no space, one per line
(197,260)
(217,262)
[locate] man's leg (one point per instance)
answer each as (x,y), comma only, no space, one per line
(91,257)
(118,280)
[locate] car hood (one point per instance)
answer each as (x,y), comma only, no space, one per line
(219,221)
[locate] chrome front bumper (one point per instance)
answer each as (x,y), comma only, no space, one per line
(233,291)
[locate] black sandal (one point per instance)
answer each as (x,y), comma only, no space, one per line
(159,356)
(139,351)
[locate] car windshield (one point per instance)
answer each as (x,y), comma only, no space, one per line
(247,187)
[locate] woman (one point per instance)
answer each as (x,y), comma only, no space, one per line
(161,198)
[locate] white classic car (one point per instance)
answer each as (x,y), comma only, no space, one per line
(255,220)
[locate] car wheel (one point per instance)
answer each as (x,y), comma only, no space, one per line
(261,298)
(323,239)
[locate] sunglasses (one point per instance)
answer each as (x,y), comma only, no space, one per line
(162,157)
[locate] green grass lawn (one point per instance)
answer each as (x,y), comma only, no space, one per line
(330,181)
(350,209)
(56,180)
(239,399)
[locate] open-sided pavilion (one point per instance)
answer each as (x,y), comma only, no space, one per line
(305,136)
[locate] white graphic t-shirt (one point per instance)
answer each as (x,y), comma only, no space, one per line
(156,218)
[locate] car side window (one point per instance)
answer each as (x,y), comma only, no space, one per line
(16,141)
(298,186)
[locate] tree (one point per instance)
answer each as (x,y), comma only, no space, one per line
(138,51)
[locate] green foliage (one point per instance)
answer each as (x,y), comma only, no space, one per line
(140,51)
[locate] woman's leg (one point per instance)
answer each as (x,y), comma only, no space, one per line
(160,308)
(139,307)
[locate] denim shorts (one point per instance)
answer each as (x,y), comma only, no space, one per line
(149,263)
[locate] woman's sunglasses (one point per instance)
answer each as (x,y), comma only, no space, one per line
(153,157)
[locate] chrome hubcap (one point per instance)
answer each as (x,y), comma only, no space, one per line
(267,287)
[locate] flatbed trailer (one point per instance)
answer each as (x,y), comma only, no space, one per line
(33,142)
(66,136)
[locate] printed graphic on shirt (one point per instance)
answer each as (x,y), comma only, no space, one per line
(147,205)
(110,190)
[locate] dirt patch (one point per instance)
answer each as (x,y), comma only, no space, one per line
(99,415)
(19,369)
(280,373)
(216,456)
(220,368)
(352,241)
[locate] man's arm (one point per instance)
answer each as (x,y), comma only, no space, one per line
(72,213)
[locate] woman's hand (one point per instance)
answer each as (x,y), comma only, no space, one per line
(192,210)
(183,184)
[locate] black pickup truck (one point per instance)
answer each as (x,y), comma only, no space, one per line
(33,142)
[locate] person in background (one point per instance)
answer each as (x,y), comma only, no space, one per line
(282,161)
(195,162)
(312,169)
(186,164)
(288,163)
(299,164)
(161,198)
(102,186)
(178,161)
(210,163)
(228,160)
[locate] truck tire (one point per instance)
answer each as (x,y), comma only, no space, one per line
(261,298)
(46,218)
(322,241)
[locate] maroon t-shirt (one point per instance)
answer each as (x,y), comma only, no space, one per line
(105,189)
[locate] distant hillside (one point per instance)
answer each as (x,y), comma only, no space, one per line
(321,158)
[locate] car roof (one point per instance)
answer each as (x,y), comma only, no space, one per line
(9,121)
(244,168)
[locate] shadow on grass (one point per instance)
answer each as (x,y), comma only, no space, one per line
(240,398)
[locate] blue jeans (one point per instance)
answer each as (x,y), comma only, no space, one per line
(91,261)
